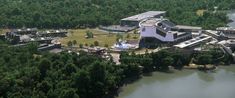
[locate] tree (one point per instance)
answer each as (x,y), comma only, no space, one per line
(69,43)
(132,70)
(168,61)
(86,44)
(98,76)
(89,34)
(74,42)
(82,82)
(119,36)
(180,12)
(70,68)
(92,45)
(80,45)
(44,65)
(96,43)
(128,36)
(69,93)
(204,59)
(32,47)
(106,45)
(44,86)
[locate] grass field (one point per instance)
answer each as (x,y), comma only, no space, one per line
(3,31)
(100,36)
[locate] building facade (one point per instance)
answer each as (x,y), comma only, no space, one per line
(155,31)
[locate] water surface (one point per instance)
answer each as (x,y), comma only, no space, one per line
(231,16)
(184,84)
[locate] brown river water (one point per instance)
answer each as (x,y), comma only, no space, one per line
(184,84)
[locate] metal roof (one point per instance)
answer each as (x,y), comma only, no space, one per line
(144,15)
(225,29)
(188,27)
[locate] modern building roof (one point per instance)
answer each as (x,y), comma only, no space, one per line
(144,15)
(157,22)
(225,29)
(150,22)
(117,28)
(193,41)
(188,27)
(25,30)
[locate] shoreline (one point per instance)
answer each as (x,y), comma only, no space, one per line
(171,71)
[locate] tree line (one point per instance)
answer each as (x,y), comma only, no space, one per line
(25,72)
(92,13)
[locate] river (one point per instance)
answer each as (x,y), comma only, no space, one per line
(231,16)
(184,84)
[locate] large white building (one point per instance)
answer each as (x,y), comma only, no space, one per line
(162,30)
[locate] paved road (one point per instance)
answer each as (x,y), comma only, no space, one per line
(116,56)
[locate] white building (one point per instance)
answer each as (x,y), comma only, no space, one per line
(203,38)
(162,30)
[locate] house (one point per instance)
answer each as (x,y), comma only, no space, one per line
(12,37)
(227,32)
(25,31)
(56,33)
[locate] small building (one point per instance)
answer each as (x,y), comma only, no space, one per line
(117,28)
(47,47)
(46,40)
(185,28)
(136,19)
(25,31)
(194,42)
(228,32)
(12,37)
(56,33)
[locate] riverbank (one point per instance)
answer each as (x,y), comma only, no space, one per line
(208,67)
(172,73)
(194,84)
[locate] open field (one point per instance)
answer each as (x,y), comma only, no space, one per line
(101,36)
(3,31)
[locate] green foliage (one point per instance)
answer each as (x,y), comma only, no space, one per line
(106,45)
(128,36)
(74,42)
(80,45)
(27,74)
(69,43)
(119,37)
(89,34)
(212,57)
(91,13)
(96,43)
(55,75)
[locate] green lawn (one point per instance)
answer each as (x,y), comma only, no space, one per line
(3,31)
(100,36)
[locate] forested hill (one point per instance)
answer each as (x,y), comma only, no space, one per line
(82,13)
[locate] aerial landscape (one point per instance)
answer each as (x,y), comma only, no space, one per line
(117,48)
